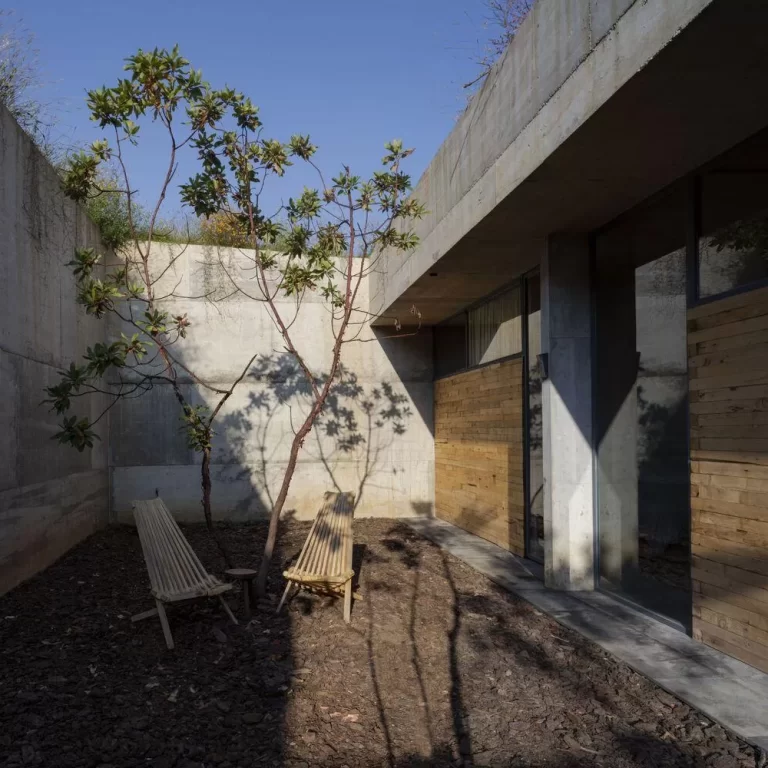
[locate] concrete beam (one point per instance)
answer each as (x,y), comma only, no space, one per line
(579,122)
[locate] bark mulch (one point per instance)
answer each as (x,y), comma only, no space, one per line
(439,667)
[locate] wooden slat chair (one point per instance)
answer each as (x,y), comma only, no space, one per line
(175,572)
(324,565)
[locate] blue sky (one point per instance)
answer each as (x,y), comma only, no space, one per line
(351,73)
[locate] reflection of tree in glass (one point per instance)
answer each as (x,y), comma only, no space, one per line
(534,411)
(535,500)
(748,236)
(734,255)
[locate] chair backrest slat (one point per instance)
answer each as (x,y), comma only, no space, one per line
(189,563)
(312,545)
(174,568)
(348,537)
(325,542)
(306,550)
(149,553)
(326,524)
(334,542)
(164,555)
(327,549)
(169,555)
(344,562)
(345,511)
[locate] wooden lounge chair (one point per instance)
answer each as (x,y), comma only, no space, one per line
(175,572)
(325,562)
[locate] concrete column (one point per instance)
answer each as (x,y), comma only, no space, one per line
(616,422)
(569,560)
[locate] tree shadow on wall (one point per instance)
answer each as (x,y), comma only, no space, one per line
(352,437)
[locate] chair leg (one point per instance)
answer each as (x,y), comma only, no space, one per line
(348,601)
(288,588)
(145,615)
(164,623)
(227,610)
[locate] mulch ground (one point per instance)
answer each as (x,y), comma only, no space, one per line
(439,667)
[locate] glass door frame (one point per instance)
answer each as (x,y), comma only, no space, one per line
(525,281)
(691,226)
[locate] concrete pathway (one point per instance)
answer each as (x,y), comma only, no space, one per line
(732,693)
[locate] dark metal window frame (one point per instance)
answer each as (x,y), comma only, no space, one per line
(524,279)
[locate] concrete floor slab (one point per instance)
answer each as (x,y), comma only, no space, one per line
(722,688)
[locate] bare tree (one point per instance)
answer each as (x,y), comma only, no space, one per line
(19,77)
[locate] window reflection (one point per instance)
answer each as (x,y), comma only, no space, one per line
(733,247)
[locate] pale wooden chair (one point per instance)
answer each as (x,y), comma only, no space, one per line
(175,572)
(324,565)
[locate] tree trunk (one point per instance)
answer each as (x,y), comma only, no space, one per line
(274,520)
(320,400)
(206,482)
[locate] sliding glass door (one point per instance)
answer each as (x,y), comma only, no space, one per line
(642,405)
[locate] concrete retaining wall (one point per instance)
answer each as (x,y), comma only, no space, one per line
(375,440)
(51,496)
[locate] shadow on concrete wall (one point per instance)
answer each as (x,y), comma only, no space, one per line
(352,436)
(410,350)
(368,441)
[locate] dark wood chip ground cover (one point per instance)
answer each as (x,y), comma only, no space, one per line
(439,667)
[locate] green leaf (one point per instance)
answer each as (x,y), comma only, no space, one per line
(154,322)
(79,176)
(197,426)
(83,263)
(301,147)
(102,357)
(77,433)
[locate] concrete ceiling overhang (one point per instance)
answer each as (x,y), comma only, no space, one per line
(699,95)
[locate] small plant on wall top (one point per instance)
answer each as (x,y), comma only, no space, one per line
(329,238)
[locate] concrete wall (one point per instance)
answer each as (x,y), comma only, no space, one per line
(51,496)
(375,440)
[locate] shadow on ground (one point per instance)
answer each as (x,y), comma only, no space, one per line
(439,668)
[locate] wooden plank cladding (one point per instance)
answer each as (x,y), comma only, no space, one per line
(728,381)
(479,452)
